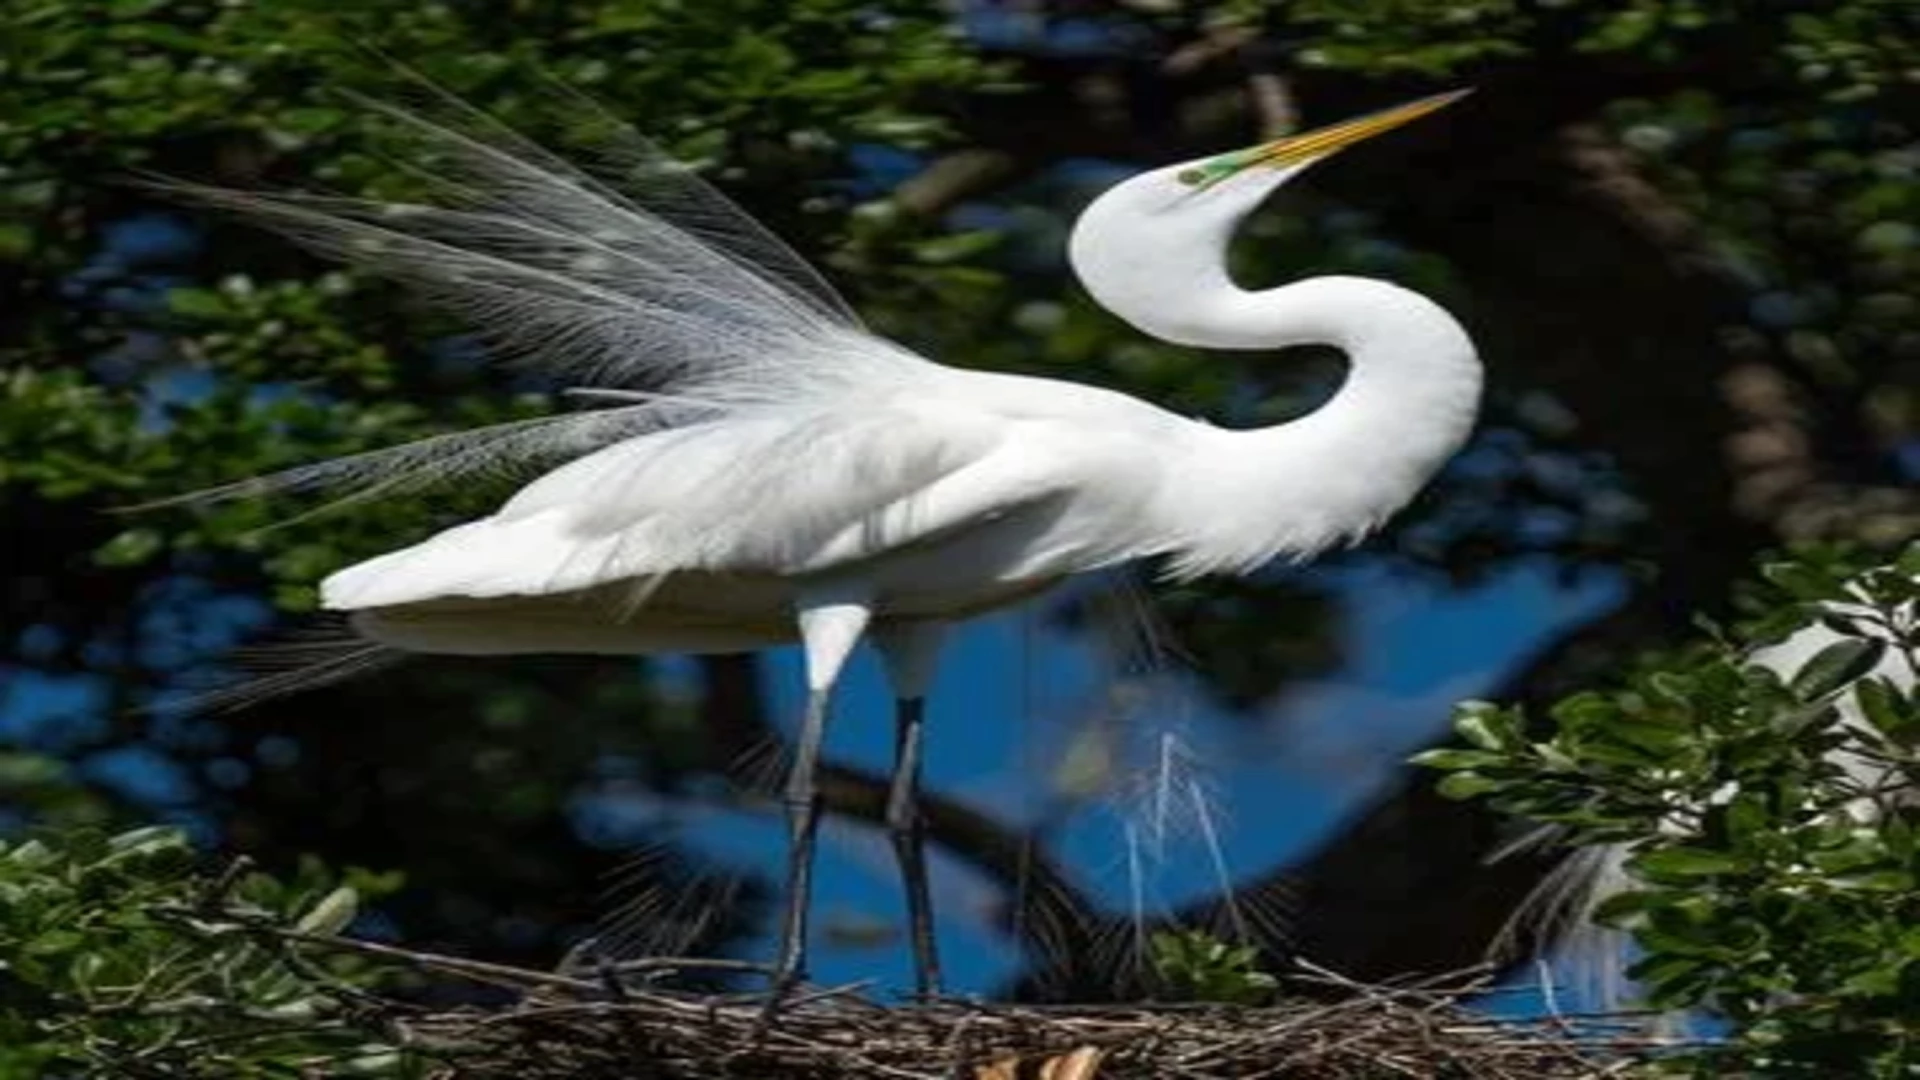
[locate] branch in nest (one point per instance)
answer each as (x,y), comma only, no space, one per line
(560,1028)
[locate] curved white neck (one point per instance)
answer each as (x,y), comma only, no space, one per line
(1406,405)
(1153,251)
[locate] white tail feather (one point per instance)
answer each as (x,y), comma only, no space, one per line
(327,653)
(510,450)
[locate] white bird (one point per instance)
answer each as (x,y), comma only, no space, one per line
(771,472)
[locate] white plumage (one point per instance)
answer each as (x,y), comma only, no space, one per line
(776,472)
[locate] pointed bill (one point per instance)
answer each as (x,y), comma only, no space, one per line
(1302,149)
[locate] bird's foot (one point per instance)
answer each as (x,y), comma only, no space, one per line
(927,992)
(781,983)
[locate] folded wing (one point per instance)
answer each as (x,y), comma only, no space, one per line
(788,492)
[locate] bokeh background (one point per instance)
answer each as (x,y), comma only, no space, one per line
(1683,232)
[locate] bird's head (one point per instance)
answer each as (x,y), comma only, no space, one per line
(1154,245)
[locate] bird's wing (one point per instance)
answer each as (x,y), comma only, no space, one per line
(662,287)
(788,492)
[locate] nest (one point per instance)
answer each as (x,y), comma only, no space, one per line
(619,1026)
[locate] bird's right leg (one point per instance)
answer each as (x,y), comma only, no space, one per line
(909,650)
(830,626)
(909,843)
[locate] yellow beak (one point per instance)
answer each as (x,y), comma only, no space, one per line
(1316,144)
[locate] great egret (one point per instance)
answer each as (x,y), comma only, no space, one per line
(770,472)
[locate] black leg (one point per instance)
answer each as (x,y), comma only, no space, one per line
(905,829)
(802,799)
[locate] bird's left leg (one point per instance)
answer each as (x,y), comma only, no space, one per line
(831,623)
(908,648)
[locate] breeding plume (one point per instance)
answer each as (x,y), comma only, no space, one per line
(763,470)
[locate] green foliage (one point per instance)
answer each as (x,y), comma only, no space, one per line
(119,956)
(1847,51)
(237,92)
(1774,832)
(45,787)
(1193,965)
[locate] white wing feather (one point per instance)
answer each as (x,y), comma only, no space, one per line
(782,492)
(685,298)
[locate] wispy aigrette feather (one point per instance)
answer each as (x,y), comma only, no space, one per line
(669,298)
(514,448)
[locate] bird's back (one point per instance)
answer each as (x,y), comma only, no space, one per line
(946,495)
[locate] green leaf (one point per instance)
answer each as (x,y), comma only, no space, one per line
(1804,582)
(1881,981)
(1747,817)
(197,303)
(1684,862)
(1485,725)
(147,840)
(55,942)
(1448,758)
(130,548)
(1652,737)
(1668,978)
(332,914)
(1466,785)
(1670,686)
(33,853)
(1837,665)
(1585,709)
(1908,564)
(1884,707)
(956,247)
(16,240)
(1620,907)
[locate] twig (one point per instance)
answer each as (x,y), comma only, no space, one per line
(610,1027)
